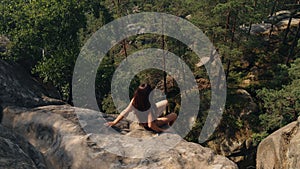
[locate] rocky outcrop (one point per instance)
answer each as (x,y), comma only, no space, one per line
(18,88)
(55,132)
(42,132)
(16,152)
(279,21)
(280,150)
(233,138)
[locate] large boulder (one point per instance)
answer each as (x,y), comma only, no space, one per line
(18,88)
(280,150)
(16,152)
(56,132)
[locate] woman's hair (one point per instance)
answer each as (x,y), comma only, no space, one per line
(141,97)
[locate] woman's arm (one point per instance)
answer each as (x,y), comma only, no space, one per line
(120,116)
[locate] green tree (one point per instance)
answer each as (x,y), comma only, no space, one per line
(281,106)
(44,37)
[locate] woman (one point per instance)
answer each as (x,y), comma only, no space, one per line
(146,113)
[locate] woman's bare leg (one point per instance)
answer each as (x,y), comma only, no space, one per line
(168,119)
(161,107)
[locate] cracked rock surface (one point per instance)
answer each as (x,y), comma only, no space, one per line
(280,150)
(16,152)
(55,132)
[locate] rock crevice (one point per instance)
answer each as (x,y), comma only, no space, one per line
(16,152)
(280,150)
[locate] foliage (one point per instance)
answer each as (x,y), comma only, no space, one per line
(108,105)
(44,36)
(281,106)
(258,137)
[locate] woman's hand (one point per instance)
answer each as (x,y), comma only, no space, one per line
(110,124)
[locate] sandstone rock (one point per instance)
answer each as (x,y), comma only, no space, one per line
(280,150)
(13,157)
(18,88)
(278,16)
(55,131)
(4,41)
(189,17)
(263,28)
(279,20)
(283,24)
(17,153)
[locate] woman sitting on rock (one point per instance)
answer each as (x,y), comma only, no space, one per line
(146,113)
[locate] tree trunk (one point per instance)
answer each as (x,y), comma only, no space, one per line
(233,30)
(271,14)
(124,48)
(294,44)
(228,69)
(250,26)
(249,30)
(227,24)
(164,62)
(288,28)
(70,97)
